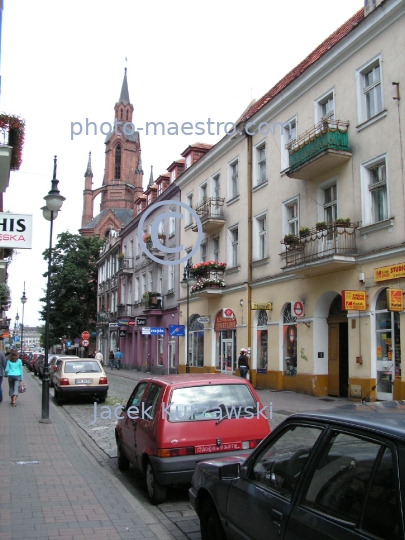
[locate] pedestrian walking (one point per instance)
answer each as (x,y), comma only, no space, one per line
(99,356)
(14,372)
(111,359)
(118,358)
(3,363)
(243,363)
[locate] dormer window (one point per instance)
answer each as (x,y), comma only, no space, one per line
(159,189)
(118,162)
(188,161)
(139,208)
(173,175)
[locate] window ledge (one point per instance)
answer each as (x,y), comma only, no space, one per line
(232,270)
(260,185)
(260,262)
(171,234)
(189,226)
(374,227)
(370,121)
(234,199)
(170,292)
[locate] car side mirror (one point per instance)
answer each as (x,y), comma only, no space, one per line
(244,472)
(229,471)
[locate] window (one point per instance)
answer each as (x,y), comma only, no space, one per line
(137,290)
(279,465)
(117,174)
(325,107)
(203,192)
(151,401)
(131,249)
(291,209)
(189,217)
(215,248)
(160,279)
(171,277)
(289,342)
(143,290)
(288,133)
(216,194)
(262,341)
(374,183)
(260,246)
(196,343)
(260,165)
(159,350)
(369,88)
(150,280)
(188,161)
(330,204)
(233,179)
(172,223)
(159,188)
(203,251)
(233,235)
(173,175)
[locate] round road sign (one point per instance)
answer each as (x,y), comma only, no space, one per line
(298,309)
(85,335)
(85,343)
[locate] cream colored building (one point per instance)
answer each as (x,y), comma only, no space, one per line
(326,143)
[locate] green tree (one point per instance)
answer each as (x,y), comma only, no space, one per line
(73,286)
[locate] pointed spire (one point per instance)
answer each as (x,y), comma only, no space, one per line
(138,169)
(89,172)
(124,97)
(151,176)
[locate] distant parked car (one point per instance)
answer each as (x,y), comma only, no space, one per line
(171,422)
(330,475)
(31,363)
(37,363)
(79,377)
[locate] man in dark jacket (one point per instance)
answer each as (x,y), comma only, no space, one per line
(243,363)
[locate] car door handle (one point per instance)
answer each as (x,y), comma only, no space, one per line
(276,517)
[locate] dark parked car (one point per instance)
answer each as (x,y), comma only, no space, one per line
(37,363)
(32,361)
(338,474)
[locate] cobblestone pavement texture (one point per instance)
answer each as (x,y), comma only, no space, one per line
(76,491)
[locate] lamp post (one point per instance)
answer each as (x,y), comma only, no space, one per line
(23,300)
(15,333)
(54,201)
(188,279)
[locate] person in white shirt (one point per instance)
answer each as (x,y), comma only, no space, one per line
(99,357)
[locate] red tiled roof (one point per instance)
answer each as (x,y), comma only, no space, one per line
(323,48)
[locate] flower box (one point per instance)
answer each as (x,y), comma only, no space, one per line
(203,268)
(204,283)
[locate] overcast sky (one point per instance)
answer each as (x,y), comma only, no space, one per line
(63,62)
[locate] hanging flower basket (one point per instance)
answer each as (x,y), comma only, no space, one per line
(16,133)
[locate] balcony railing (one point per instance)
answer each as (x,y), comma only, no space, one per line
(324,146)
(152,302)
(210,213)
(334,239)
(127,263)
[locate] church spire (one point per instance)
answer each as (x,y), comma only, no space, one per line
(89,172)
(138,169)
(151,176)
(124,97)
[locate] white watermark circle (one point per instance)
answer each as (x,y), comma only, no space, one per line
(155,231)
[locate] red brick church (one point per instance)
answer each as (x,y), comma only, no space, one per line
(122,183)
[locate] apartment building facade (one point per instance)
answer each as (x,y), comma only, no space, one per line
(304,202)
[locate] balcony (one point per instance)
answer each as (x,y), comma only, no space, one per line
(319,150)
(126,265)
(152,301)
(210,213)
(319,251)
(124,310)
(209,278)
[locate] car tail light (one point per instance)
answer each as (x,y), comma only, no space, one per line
(102,380)
(64,382)
(249,444)
(174,452)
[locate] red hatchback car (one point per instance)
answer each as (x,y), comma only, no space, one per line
(172,422)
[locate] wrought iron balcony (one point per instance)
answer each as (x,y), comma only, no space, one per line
(210,213)
(126,265)
(321,148)
(334,245)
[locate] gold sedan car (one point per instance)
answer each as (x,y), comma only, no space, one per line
(83,377)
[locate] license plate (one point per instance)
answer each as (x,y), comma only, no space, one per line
(83,381)
(210,448)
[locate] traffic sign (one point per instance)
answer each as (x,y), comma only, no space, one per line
(297,309)
(85,335)
(85,343)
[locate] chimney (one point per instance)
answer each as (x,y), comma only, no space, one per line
(371,5)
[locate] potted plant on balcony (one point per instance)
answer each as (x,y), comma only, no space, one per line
(290,240)
(153,297)
(204,283)
(321,226)
(203,268)
(304,231)
(343,222)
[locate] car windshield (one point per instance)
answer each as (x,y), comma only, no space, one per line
(82,367)
(214,401)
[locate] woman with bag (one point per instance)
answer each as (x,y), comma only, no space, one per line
(14,372)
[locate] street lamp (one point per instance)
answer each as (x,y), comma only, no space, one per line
(54,201)
(188,279)
(15,332)
(23,300)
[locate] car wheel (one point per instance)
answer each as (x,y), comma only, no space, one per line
(156,492)
(57,397)
(102,398)
(123,461)
(211,526)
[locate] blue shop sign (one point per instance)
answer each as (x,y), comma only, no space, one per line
(176,329)
(156,330)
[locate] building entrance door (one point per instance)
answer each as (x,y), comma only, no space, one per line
(226,356)
(338,350)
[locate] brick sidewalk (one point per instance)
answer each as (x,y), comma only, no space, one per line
(62,491)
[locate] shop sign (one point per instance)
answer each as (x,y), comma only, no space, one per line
(224,323)
(122,333)
(153,331)
(257,305)
(386,273)
(203,320)
(354,300)
(15,230)
(227,313)
(176,329)
(395,300)
(140,321)
(122,323)
(113,325)
(131,323)
(297,309)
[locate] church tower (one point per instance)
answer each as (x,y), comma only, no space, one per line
(123,174)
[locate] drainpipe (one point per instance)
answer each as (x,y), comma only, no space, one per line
(249,248)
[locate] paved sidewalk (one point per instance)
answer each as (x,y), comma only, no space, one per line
(53,484)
